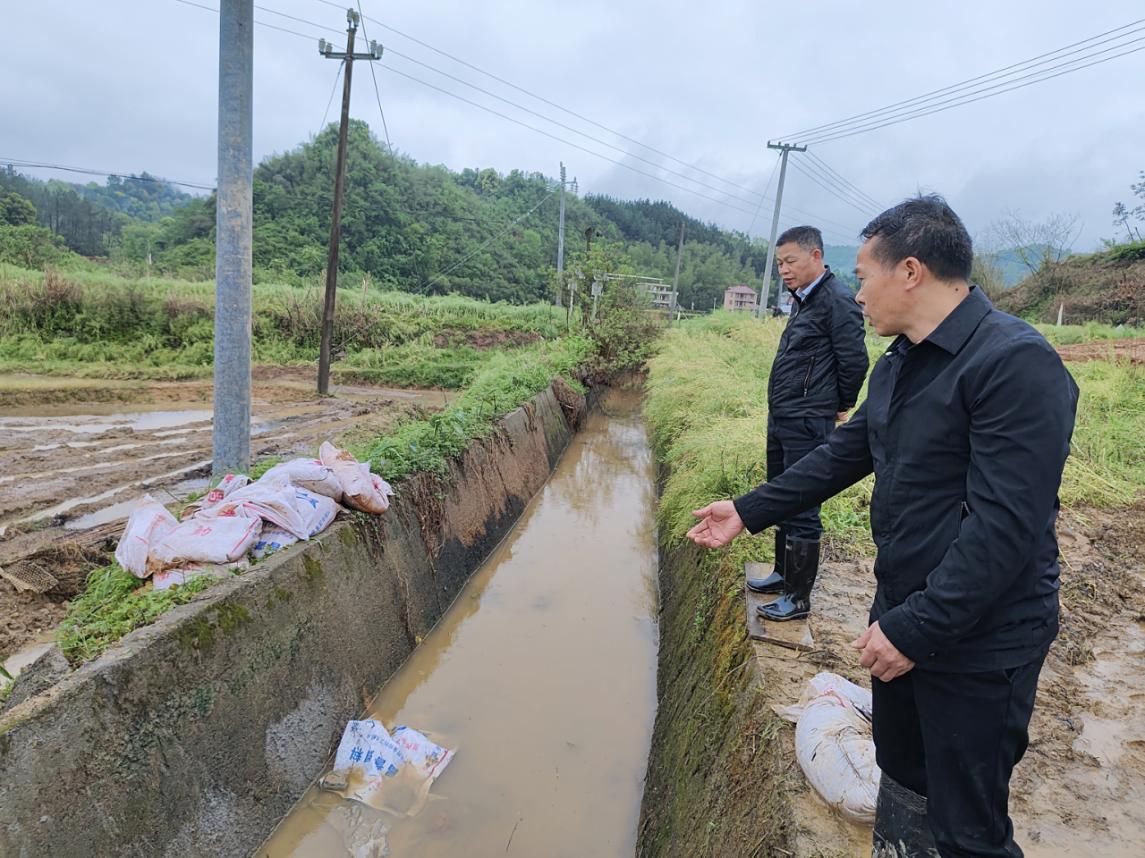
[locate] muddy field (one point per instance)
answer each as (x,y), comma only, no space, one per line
(75,454)
(1080,790)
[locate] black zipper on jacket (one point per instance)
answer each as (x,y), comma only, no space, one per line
(807,380)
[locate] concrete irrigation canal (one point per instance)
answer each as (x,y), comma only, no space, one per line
(542,674)
(511,615)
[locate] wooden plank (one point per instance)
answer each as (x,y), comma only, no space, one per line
(793,634)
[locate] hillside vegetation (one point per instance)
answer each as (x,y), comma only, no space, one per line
(1106,287)
(406,226)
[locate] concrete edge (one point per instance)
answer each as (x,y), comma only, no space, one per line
(195,734)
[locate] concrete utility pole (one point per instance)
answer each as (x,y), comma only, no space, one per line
(679,256)
(765,290)
(231,424)
(561,240)
(349,56)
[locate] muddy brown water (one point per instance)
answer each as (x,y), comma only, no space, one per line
(542,675)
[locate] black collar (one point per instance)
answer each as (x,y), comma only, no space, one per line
(953,331)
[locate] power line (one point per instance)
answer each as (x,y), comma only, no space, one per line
(1007,71)
(542,99)
(333,92)
(262,23)
(864,210)
(859,192)
(766,188)
(965,101)
(20,162)
(485,244)
(374,77)
(533,128)
(530,111)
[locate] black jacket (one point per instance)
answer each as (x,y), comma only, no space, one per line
(967,434)
(822,357)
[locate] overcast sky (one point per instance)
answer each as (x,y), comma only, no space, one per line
(128,87)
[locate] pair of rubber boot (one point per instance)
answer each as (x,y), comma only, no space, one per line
(796,565)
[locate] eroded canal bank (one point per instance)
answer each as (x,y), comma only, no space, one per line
(542,675)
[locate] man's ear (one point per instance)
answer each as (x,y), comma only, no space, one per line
(913,271)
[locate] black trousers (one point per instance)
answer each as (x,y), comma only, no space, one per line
(789,439)
(955,738)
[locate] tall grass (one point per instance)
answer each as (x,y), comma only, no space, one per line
(706,410)
(95,324)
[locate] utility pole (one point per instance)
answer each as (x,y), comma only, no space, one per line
(765,290)
(349,56)
(679,256)
(230,428)
(561,240)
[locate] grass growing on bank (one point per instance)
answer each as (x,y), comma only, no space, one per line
(1106,467)
(707,413)
(1068,335)
(706,409)
(112,605)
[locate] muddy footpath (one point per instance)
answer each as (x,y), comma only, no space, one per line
(75,454)
(1080,790)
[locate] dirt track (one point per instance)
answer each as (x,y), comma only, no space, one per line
(1127,350)
(75,454)
(1080,790)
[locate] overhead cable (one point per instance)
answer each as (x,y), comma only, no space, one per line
(970,83)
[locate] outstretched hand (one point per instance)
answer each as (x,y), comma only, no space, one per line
(719,525)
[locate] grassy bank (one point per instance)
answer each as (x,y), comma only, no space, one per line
(95,324)
(716,784)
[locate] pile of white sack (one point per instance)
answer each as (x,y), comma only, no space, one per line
(292,501)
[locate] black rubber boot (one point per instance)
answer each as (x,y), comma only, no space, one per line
(773,583)
(901,829)
(799,573)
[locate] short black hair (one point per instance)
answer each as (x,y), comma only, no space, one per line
(926,228)
(807,237)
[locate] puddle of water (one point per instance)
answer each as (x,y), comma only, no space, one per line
(120,511)
(88,424)
(61,508)
(542,675)
(20,659)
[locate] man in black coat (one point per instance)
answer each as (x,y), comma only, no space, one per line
(966,425)
(815,380)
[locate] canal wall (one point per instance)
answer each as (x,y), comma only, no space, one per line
(719,783)
(194,735)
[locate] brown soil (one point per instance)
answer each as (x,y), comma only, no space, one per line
(77,452)
(1132,351)
(485,339)
(1080,790)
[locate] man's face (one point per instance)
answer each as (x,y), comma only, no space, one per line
(882,291)
(798,267)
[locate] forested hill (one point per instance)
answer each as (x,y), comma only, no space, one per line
(419,228)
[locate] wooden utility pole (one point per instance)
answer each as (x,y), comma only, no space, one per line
(349,56)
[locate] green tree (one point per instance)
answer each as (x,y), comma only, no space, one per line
(16,210)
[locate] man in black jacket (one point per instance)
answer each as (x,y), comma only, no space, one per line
(966,426)
(815,380)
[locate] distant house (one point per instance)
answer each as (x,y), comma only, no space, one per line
(739,297)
